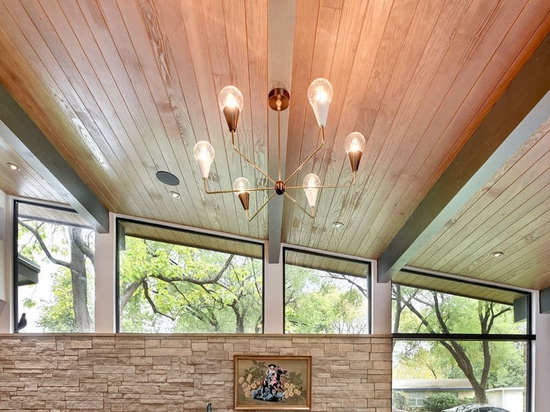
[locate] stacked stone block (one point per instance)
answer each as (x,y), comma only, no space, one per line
(161,373)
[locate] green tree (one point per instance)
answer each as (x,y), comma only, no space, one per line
(318,301)
(71,250)
(162,286)
(439,401)
(183,289)
(423,311)
(399,400)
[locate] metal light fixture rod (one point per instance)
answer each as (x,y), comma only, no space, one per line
(326,186)
(322,132)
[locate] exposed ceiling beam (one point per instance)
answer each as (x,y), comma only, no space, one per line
(522,109)
(21,133)
(282,15)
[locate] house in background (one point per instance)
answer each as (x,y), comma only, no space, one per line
(416,390)
(512,399)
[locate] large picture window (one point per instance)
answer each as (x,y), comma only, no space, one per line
(326,294)
(458,343)
(54,273)
(177,281)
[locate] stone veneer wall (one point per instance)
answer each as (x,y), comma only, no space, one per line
(181,372)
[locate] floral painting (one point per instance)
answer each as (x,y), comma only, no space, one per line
(276,382)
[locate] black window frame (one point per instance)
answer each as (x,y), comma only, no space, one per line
(528,337)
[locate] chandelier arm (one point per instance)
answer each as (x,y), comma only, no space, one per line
(311,215)
(279,141)
(261,207)
(325,186)
(322,132)
(254,165)
(217,192)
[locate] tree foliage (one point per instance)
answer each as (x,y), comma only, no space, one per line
(318,301)
(484,363)
(439,401)
(70,250)
(168,287)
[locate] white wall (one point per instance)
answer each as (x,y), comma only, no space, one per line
(5,262)
(541,359)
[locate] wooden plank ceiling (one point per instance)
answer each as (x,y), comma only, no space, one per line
(124,89)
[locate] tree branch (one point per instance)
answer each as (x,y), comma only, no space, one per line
(39,239)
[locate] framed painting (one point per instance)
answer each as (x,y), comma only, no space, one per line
(272,382)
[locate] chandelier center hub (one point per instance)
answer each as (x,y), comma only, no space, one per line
(280,187)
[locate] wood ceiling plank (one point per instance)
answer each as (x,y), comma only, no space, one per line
(155,79)
(247,50)
(46,98)
(257,22)
(525,226)
(305,134)
(473,166)
(353,113)
(419,48)
(332,165)
(448,59)
(384,60)
(281,34)
(180,36)
(104,122)
(521,266)
(26,182)
(206,40)
(404,189)
(213,67)
(512,188)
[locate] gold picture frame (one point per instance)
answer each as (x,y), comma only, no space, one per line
(272,382)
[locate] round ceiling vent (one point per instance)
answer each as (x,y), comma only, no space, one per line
(167,178)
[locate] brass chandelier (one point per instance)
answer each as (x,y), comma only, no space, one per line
(231,102)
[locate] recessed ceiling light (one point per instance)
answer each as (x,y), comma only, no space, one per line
(13,166)
(175,195)
(497,254)
(338,225)
(167,178)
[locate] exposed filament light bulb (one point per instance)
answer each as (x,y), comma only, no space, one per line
(204,155)
(231,103)
(311,185)
(355,146)
(320,95)
(241,186)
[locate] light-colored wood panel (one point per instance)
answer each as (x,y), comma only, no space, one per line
(509,190)
(41,102)
(126,88)
(462,83)
(167,114)
(519,195)
(393,115)
(88,61)
(333,167)
(191,239)
(354,113)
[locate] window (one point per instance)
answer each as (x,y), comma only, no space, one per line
(178,281)
(54,274)
(325,294)
(459,343)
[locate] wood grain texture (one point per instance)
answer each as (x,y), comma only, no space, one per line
(125,88)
